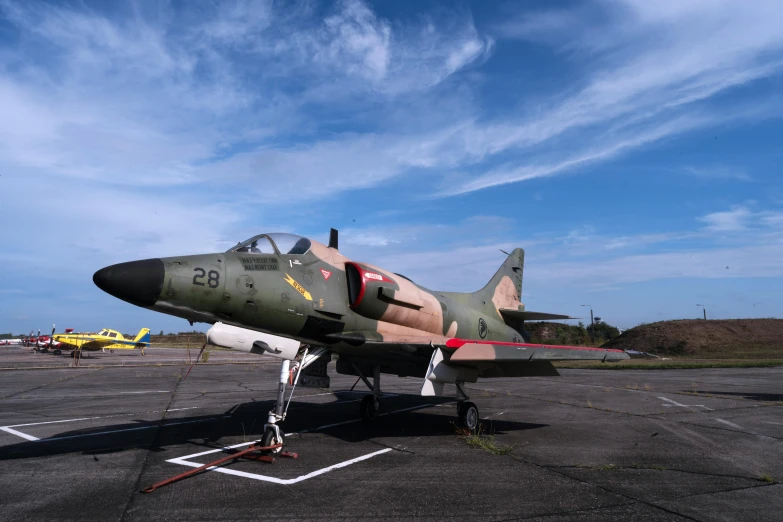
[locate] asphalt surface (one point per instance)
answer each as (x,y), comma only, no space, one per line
(80,444)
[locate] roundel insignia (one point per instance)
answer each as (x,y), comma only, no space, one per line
(482,328)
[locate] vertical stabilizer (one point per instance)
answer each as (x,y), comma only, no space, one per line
(143,337)
(505,287)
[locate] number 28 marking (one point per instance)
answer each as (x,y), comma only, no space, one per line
(213,277)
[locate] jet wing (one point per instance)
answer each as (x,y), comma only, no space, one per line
(477,358)
(522,315)
(469,351)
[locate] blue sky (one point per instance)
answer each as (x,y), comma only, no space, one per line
(633,148)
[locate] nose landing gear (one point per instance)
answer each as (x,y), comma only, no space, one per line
(273,435)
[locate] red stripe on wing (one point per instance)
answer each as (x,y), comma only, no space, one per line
(457,343)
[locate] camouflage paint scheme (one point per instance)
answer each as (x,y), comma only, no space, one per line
(366,314)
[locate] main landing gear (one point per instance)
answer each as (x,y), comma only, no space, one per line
(370,407)
(467,412)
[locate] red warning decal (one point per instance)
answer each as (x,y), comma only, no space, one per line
(326,274)
(377,277)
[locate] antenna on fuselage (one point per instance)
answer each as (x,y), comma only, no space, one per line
(333,238)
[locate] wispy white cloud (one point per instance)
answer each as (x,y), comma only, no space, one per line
(151,99)
(585,258)
(653,61)
(604,150)
(734,220)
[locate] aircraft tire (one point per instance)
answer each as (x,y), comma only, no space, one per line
(57,352)
(269,439)
(469,415)
(368,408)
(111,351)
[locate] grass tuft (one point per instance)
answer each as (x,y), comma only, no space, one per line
(766,477)
(479,439)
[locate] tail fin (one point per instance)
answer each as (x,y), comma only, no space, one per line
(143,337)
(505,287)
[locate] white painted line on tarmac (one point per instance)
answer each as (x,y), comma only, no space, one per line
(185,461)
(18,433)
(275,480)
(8,429)
(51,422)
(131,429)
(137,392)
(675,403)
(727,423)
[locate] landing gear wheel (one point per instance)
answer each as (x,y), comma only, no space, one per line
(369,408)
(111,351)
(57,352)
(468,415)
(270,439)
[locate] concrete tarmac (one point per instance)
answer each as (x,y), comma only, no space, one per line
(80,444)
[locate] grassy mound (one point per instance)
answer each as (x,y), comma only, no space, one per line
(713,339)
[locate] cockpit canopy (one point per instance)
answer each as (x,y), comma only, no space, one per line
(280,243)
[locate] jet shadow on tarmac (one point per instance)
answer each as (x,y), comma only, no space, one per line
(247,420)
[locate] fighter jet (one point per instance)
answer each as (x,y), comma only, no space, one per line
(299,300)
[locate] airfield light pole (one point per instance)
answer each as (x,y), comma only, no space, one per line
(705,311)
(592,324)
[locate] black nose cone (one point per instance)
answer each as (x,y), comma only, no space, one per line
(137,282)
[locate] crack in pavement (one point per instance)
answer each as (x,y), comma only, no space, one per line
(652,468)
(156,437)
(603,488)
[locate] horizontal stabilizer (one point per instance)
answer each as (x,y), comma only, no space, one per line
(522,315)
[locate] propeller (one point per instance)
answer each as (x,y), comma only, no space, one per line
(51,338)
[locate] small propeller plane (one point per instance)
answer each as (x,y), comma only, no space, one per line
(292,298)
(104,340)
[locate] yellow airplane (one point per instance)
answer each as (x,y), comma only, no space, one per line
(105,339)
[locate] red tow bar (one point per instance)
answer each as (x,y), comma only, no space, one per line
(244,453)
